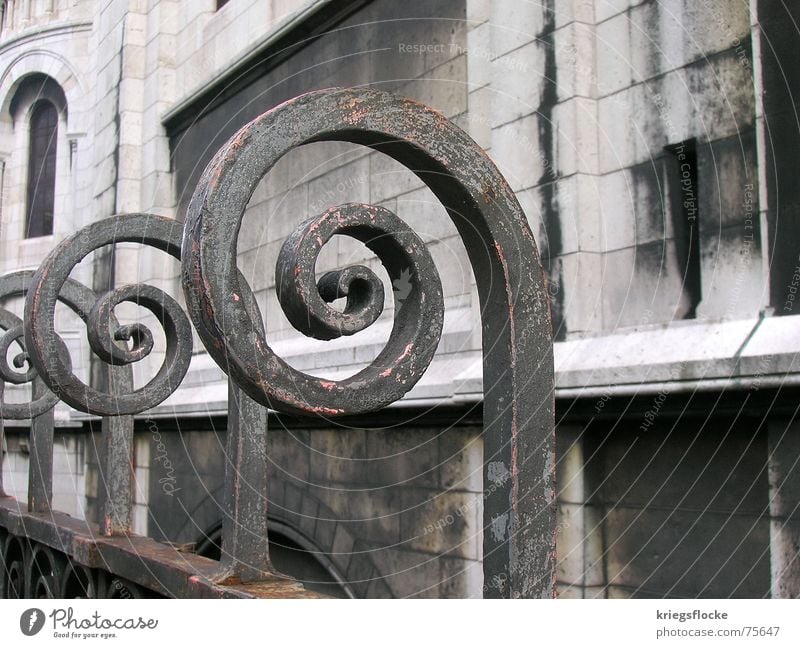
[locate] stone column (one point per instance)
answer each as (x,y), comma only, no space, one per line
(579,537)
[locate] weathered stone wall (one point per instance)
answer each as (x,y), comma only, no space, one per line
(679,510)
(397,511)
(576,102)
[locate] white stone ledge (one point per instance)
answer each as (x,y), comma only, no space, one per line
(684,357)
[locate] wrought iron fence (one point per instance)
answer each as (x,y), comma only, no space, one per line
(46,553)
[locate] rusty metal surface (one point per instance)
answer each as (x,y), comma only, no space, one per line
(74,295)
(519,515)
(118,401)
(245,538)
(103,333)
(72,548)
(245,534)
(40,410)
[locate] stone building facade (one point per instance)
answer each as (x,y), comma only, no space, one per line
(649,143)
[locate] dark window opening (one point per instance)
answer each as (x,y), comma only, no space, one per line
(683,207)
(41,170)
(287,557)
(221,3)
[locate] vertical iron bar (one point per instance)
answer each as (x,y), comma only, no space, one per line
(116,462)
(40,466)
(245,548)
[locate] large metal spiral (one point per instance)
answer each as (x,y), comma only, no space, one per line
(47,287)
(517,343)
(214,291)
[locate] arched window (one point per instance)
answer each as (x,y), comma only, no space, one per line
(41,169)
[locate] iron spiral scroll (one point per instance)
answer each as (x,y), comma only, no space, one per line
(519,514)
(107,339)
(77,298)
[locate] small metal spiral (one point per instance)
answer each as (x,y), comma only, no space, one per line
(104,333)
(16,284)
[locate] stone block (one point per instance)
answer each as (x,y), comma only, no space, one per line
(723,471)
(460,578)
(410,574)
(258,266)
(361,573)
(579,279)
(461,459)
(725,169)
(567,11)
(605,9)
(519,154)
(288,453)
(477,121)
(640,285)
(614,71)
(342,546)
(309,512)
(479,56)
(645,59)
(732,279)
(578,198)
(410,459)
(378,589)
(565,591)
(371,514)
(272,219)
(576,125)
(575,61)
(479,11)
(617,210)
(447,522)
(389,179)
(710,28)
(516,24)
(615,132)
(518,81)
(339,457)
(689,557)
(652,220)
(443,88)
(454,269)
(348,183)
(425,215)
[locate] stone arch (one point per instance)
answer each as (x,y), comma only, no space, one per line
(24,89)
(51,65)
(318,531)
(313,523)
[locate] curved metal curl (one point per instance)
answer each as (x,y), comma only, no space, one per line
(46,288)
(74,295)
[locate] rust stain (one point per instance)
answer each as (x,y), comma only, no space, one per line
(406,352)
(514,415)
(325,410)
